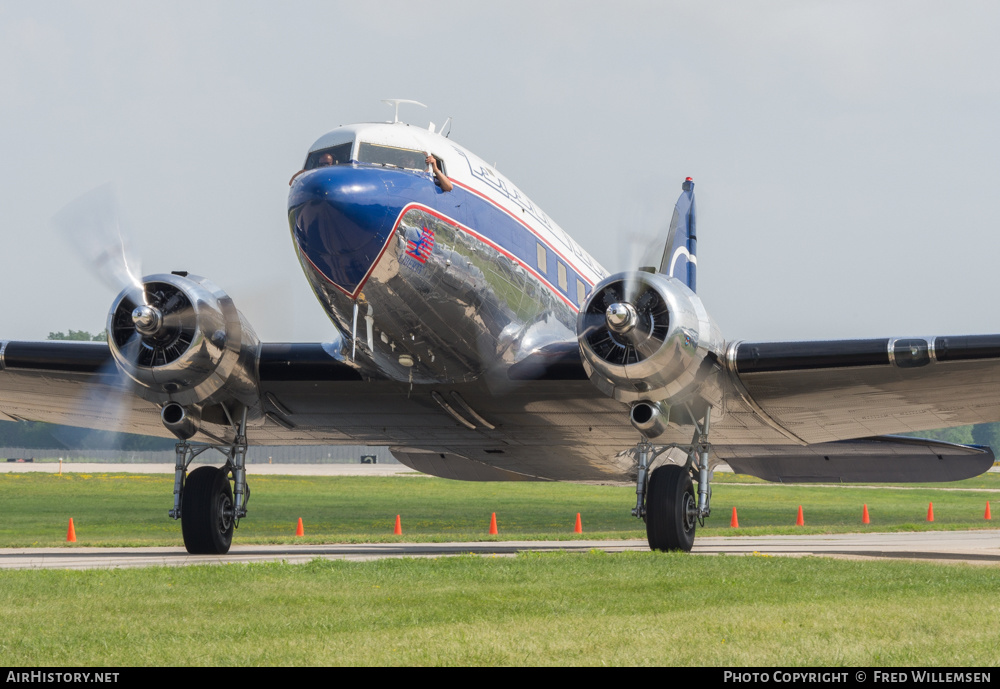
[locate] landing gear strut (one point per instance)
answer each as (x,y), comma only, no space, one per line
(208,507)
(665,498)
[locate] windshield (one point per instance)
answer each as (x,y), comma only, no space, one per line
(335,155)
(390,155)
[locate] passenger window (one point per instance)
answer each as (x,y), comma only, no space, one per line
(541,259)
(563,283)
(581,292)
(335,155)
(390,155)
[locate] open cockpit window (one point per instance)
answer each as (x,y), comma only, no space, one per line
(335,155)
(405,158)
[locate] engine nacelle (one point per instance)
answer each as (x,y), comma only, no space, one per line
(645,337)
(181,339)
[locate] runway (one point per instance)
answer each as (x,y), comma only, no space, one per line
(252,469)
(951,546)
(982,546)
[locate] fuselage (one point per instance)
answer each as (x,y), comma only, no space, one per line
(427,285)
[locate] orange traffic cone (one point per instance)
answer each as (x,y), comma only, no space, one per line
(864,516)
(734,523)
(298,530)
(493,524)
(399,527)
(579,524)
(987,515)
(71,532)
(930,511)
(799,521)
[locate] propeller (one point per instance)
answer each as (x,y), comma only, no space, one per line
(639,242)
(151,324)
(92,226)
(156,331)
(639,250)
(652,246)
(626,321)
(176,340)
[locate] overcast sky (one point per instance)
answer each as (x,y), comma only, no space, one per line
(846,154)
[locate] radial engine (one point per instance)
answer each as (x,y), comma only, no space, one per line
(188,349)
(647,340)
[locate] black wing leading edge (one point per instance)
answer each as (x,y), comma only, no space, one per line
(850,394)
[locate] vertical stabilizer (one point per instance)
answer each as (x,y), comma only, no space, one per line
(679,254)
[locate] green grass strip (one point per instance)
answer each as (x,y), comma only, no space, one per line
(551,609)
(131,509)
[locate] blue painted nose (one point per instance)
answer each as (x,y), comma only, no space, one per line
(341,218)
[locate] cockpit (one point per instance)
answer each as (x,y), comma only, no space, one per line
(372,145)
(334,155)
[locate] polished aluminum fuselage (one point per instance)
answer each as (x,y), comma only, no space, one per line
(431,286)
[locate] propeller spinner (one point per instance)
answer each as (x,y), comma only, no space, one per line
(643,335)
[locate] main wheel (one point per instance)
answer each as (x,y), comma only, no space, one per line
(207,512)
(671,509)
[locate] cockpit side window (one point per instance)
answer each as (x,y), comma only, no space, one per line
(405,158)
(339,154)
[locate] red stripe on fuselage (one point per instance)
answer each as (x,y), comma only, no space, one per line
(530,229)
(469,230)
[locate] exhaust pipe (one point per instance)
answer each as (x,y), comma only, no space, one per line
(650,418)
(183,422)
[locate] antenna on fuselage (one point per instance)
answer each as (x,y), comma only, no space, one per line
(394,103)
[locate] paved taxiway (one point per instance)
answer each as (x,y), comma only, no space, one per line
(965,546)
(252,469)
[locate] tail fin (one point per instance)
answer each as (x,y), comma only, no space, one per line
(679,254)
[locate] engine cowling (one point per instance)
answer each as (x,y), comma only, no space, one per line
(646,337)
(182,340)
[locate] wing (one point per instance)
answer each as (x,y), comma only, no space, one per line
(792,411)
(70,383)
(842,397)
(815,392)
(544,421)
(540,420)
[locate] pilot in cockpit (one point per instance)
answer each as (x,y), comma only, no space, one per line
(322,161)
(440,178)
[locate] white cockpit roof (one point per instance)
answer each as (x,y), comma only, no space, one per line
(399,134)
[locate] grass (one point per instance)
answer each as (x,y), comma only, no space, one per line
(131,509)
(551,609)
(636,608)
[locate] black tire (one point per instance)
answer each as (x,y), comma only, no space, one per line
(671,509)
(207,512)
